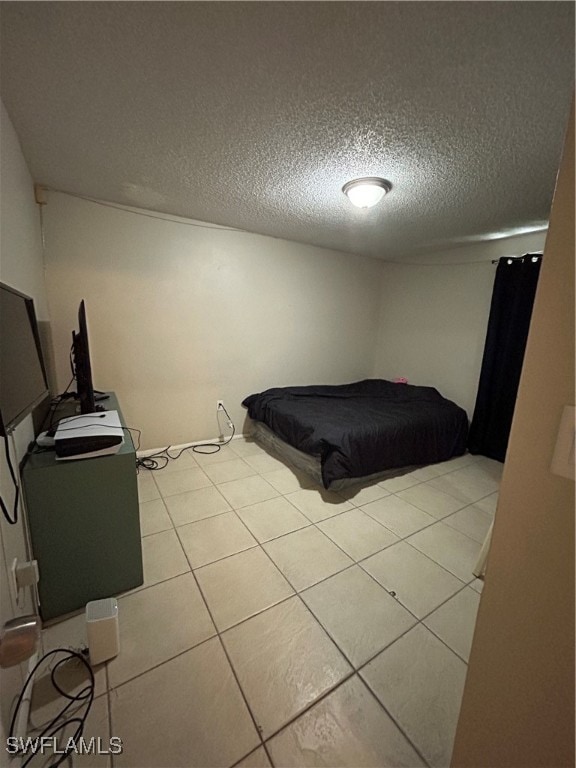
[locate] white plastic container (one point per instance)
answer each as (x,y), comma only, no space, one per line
(102,629)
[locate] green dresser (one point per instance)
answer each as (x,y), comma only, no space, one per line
(84,525)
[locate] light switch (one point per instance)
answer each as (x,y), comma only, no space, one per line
(564,459)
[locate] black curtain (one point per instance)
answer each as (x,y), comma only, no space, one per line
(508,325)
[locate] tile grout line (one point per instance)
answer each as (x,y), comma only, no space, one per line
(312,704)
(222,645)
(109,703)
(225,651)
(355,670)
(317,522)
(358,562)
(405,541)
(298,594)
(419,482)
(253,752)
(329,692)
(358,668)
(204,518)
(350,501)
(396,723)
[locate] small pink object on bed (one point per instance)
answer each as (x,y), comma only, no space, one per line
(401,380)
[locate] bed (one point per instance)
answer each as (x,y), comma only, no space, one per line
(344,434)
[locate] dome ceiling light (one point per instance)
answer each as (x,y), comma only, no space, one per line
(366,192)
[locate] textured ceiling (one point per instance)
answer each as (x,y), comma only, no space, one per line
(253,115)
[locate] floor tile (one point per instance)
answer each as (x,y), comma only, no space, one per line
(488,503)
(263,462)
(241,586)
(399,483)
(156,624)
(288,651)
(97,725)
(246,447)
(172,483)
(270,519)
(284,661)
(187,713)
(225,471)
(363,494)
(154,517)
(450,548)
(256,759)
(97,721)
(431,500)
(427,472)
(457,462)
(147,488)
(184,461)
(347,728)
(473,521)
(418,583)
(477,585)
(163,557)
(214,538)
(196,505)
(306,557)
(468,484)
(454,621)
(288,480)
(398,515)
(420,682)
(318,504)
(358,614)
(248,490)
(357,533)
(492,467)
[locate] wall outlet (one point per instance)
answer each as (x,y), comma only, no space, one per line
(219,405)
(23,574)
(27,574)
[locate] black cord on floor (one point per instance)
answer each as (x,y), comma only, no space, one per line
(86,696)
(14,519)
(160,460)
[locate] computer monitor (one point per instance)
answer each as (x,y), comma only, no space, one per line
(23,383)
(81,364)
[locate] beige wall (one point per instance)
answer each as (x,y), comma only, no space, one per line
(20,267)
(181,316)
(518,705)
(433,318)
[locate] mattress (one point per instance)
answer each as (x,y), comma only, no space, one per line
(311,465)
(359,430)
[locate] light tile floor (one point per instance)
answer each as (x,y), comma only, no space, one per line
(283,625)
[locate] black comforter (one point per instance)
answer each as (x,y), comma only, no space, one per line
(363,428)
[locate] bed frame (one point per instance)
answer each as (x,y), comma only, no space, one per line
(309,464)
